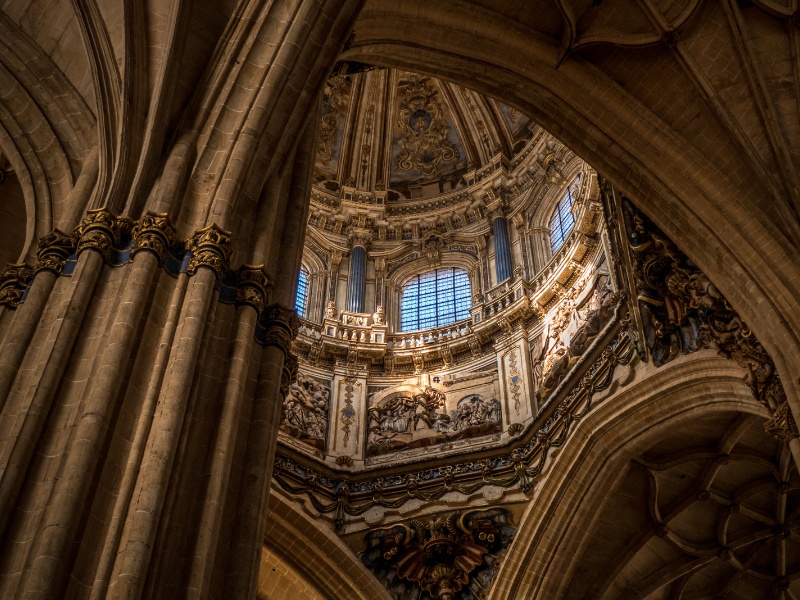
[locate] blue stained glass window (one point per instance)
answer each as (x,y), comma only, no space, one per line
(562,221)
(302,293)
(435,299)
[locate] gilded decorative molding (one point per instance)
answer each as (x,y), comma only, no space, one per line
(101,230)
(782,425)
(13,282)
(155,234)
(253,286)
(210,248)
(54,250)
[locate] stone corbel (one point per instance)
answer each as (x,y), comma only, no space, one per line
(210,248)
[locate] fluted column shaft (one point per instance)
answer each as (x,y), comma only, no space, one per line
(357,279)
(502,249)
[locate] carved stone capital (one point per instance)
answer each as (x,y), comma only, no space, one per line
(281,325)
(253,286)
(782,425)
(100,230)
(358,236)
(54,249)
(13,281)
(154,233)
(210,248)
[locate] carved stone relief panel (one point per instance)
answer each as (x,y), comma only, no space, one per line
(306,410)
(408,417)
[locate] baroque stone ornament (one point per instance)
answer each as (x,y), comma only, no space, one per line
(528,457)
(211,248)
(101,230)
(13,281)
(155,234)
(442,558)
(253,286)
(306,408)
(424,142)
(53,251)
(682,311)
(348,412)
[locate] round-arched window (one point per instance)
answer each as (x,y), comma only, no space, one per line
(435,299)
(562,221)
(301,300)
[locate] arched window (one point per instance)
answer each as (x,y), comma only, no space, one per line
(435,299)
(562,221)
(301,299)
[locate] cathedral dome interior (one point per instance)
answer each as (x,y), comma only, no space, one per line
(400,300)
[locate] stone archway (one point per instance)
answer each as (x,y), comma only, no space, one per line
(563,517)
(652,114)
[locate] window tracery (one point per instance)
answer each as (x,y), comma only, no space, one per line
(434,299)
(301,299)
(562,221)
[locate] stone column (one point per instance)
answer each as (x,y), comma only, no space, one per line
(502,248)
(357,277)
(542,251)
(524,243)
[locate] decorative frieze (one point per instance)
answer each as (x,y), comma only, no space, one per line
(516,466)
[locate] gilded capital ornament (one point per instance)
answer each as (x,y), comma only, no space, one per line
(782,425)
(210,248)
(281,325)
(13,281)
(54,249)
(101,230)
(155,234)
(253,286)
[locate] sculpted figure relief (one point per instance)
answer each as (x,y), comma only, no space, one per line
(572,331)
(305,411)
(378,318)
(408,420)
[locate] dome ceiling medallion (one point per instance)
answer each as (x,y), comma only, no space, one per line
(423,139)
(412,134)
